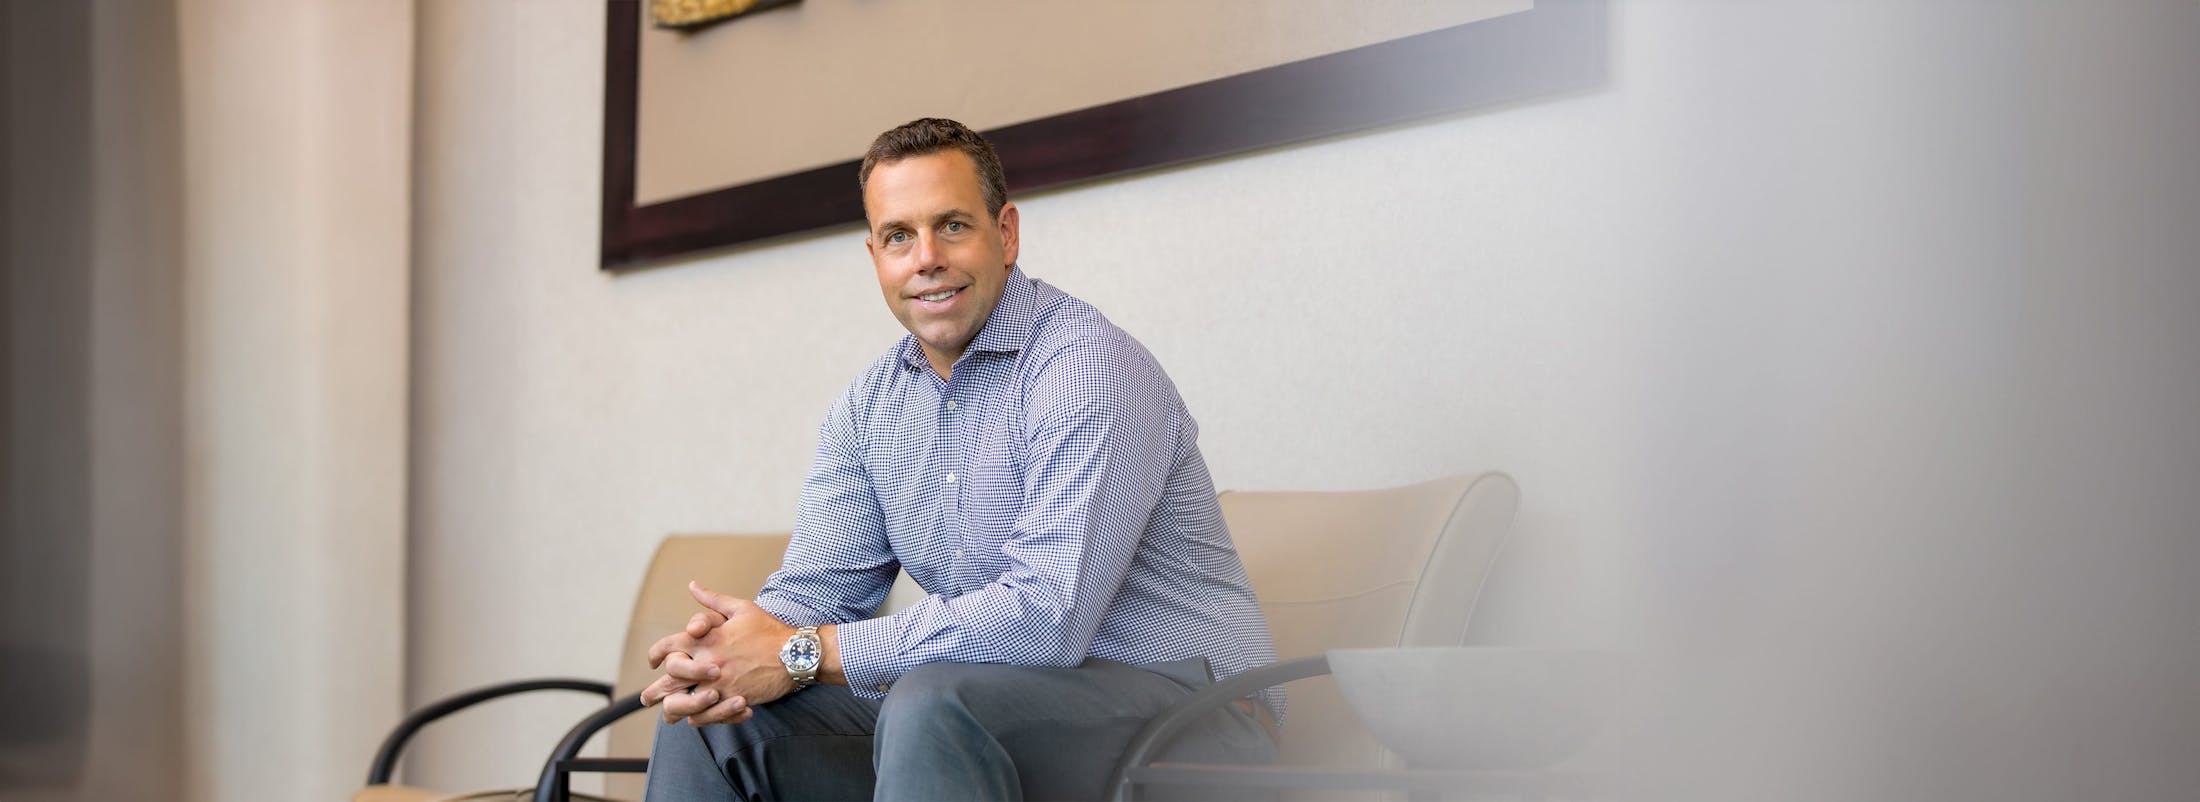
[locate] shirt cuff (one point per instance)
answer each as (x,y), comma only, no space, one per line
(867,650)
(790,613)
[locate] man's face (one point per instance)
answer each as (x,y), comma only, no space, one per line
(941,260)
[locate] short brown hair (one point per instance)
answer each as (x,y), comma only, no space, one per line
(932,135)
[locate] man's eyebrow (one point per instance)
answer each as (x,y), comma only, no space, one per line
(937,219)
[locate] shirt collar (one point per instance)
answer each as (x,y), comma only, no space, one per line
(1006,329)
(1009,327)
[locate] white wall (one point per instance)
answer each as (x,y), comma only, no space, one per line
(1832,336)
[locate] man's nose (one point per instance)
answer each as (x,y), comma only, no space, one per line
(928,254)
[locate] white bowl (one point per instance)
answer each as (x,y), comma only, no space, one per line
(1479,707)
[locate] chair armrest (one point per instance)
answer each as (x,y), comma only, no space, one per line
(1163,729)
(552,786)
(385,759)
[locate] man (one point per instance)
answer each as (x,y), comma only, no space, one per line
(1035,471)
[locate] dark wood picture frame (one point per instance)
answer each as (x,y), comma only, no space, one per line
(1557,46)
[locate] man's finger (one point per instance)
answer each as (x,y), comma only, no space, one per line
(676,642)
(689,670)
(681,699)
(682,705)
(663,687)
(732,710)
(720,603)
(703,622)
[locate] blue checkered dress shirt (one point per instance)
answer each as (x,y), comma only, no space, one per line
(1050,498)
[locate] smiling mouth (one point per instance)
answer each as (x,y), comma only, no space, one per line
(942,295)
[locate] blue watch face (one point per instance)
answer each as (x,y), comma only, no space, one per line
(800,654)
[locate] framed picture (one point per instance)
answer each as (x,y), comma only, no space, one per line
(752,128)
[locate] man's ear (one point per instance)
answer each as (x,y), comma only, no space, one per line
(1009,242)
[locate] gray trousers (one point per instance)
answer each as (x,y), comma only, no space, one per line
(949,731)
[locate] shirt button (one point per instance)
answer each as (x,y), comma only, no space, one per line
(950,477)
(958,554)
(950,405)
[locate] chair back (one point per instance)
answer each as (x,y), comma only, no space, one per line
(731,564)
(1400,566)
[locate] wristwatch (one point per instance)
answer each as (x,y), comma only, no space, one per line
(802,655)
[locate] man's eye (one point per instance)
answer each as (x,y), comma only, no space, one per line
(955,226)
(897,237)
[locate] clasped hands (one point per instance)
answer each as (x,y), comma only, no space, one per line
(725,662)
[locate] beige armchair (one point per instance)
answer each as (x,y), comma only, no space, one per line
(1394,567)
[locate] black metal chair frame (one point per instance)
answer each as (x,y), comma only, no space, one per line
(1136,767)
(554,785)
